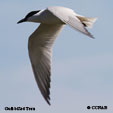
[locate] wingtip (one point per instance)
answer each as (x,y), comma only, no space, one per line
(91,36)
(48,101)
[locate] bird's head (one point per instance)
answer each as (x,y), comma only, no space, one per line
(28,17)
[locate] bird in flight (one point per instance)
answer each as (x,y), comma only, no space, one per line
(52,20)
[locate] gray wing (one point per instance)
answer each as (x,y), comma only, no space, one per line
(69,17)
(40,47)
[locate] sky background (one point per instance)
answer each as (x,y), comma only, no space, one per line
(82,68)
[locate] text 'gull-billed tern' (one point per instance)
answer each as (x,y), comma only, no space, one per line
(40,42)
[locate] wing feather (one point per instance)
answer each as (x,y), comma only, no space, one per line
(40,49)
(69,17)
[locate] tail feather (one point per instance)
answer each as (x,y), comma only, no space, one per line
(87,21)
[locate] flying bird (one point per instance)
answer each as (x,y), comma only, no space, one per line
(52,20)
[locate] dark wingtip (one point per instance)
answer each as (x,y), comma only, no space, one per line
(48,100)
(91,36)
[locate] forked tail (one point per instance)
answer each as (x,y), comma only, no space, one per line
(87,21)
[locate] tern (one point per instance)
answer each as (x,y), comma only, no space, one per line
(52,20)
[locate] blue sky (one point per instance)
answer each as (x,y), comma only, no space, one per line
(82,68)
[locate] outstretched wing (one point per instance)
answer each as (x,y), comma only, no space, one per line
(40,47)
(69,17)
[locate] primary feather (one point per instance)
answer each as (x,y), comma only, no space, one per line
(40,44)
